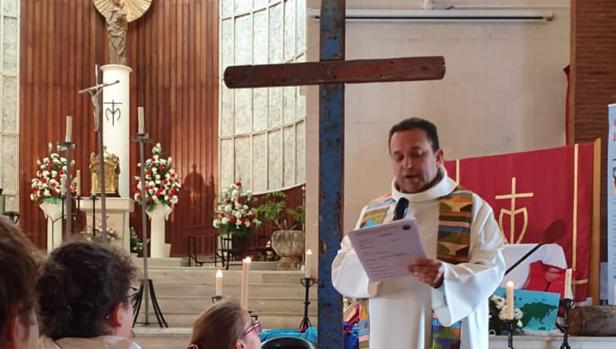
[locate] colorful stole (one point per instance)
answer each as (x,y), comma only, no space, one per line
(455,218)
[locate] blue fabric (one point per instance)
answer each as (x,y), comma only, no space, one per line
(351,336)
(310,335)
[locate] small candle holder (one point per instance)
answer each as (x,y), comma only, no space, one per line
(567,304)
(510,325)
(307,283)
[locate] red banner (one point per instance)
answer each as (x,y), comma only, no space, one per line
(534,194)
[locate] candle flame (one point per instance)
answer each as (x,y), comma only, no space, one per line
(219,273)
(309,252)
(247,260)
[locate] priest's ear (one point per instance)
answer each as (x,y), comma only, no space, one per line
(440,157)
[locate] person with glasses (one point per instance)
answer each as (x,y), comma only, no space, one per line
(85,298)
(226,325)
(18,272)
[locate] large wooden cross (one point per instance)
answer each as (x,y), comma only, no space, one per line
(331,73)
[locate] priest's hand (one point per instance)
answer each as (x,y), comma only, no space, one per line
(428,271)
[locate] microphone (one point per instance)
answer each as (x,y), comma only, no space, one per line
(96,87)
(401,209)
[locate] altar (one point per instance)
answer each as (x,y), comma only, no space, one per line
(118,210)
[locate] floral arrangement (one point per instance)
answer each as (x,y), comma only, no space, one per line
(234,214)
(48,184)
(498,316)
(97,235)
(161,182)
(136,246)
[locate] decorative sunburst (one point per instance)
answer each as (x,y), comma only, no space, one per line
(134,8)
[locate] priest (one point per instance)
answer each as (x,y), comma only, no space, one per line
(443,302)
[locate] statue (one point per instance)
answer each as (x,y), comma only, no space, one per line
(117,28)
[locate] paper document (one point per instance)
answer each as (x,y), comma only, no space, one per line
(386,250)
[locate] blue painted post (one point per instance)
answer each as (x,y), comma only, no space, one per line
(331,174)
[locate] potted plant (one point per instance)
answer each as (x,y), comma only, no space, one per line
(288,223)
(136,246)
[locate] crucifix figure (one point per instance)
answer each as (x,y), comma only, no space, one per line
(331,73)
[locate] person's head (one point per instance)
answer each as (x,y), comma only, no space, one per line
(84,291)
(225,326)
(18,272)
(415,154)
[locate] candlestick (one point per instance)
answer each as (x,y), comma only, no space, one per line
(307,264)
(78,182)
(219,282)
(140,120)
(510,301)
(69,129)
(568,275)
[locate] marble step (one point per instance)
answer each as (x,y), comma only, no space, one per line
(195,305)
(186,274)
(208,289)
(268,320)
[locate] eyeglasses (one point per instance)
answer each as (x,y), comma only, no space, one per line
(254,326)
(131,297)
(132,294)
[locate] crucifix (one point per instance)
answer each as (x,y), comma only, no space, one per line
(331,73)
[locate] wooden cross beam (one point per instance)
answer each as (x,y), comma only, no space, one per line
(331,73)
(327,72)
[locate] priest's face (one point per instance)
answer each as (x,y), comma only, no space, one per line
(414,162)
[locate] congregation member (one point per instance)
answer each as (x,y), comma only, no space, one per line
(443,302)
(86,297)
(18,272)
(226,325)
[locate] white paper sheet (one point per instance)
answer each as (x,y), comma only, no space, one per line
(386,250)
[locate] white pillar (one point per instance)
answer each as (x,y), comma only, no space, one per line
(116,121)
(53,213)
(158,216)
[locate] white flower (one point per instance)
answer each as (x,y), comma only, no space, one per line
(520,324)
(518,314)
(228,208)
(46,192)
(247,224)
(174,199)
(216,223)
(225,220)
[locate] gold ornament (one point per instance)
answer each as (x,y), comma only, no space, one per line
(112,174)
(134,8)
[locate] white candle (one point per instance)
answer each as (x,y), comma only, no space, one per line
(307,264)
(244,287)
(219,283)
(78,182)
(568,275)
(69,129)
(510,301)
(140,120)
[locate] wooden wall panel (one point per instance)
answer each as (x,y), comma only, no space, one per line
(593,81)
(173,50)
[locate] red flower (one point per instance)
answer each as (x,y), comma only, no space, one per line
(238,183)
(240,200)
(232,219)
